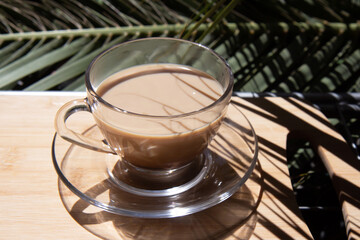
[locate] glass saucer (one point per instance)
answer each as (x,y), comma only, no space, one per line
(229,161)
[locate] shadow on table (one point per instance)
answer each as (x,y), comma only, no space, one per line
(319,132)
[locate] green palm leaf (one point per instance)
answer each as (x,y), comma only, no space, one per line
(270,45)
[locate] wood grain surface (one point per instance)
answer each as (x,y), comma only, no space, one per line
(32,202)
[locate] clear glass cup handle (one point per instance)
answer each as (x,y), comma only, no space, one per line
(60,124)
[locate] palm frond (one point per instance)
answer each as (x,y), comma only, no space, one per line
(275,45)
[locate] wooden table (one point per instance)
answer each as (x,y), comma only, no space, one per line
(31,208)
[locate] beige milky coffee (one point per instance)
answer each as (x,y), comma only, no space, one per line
(163,91)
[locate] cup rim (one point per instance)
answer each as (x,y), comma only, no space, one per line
(93,93)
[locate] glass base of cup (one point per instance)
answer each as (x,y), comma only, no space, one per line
(159,183)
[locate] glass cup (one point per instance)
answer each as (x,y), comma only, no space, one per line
(139,140)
